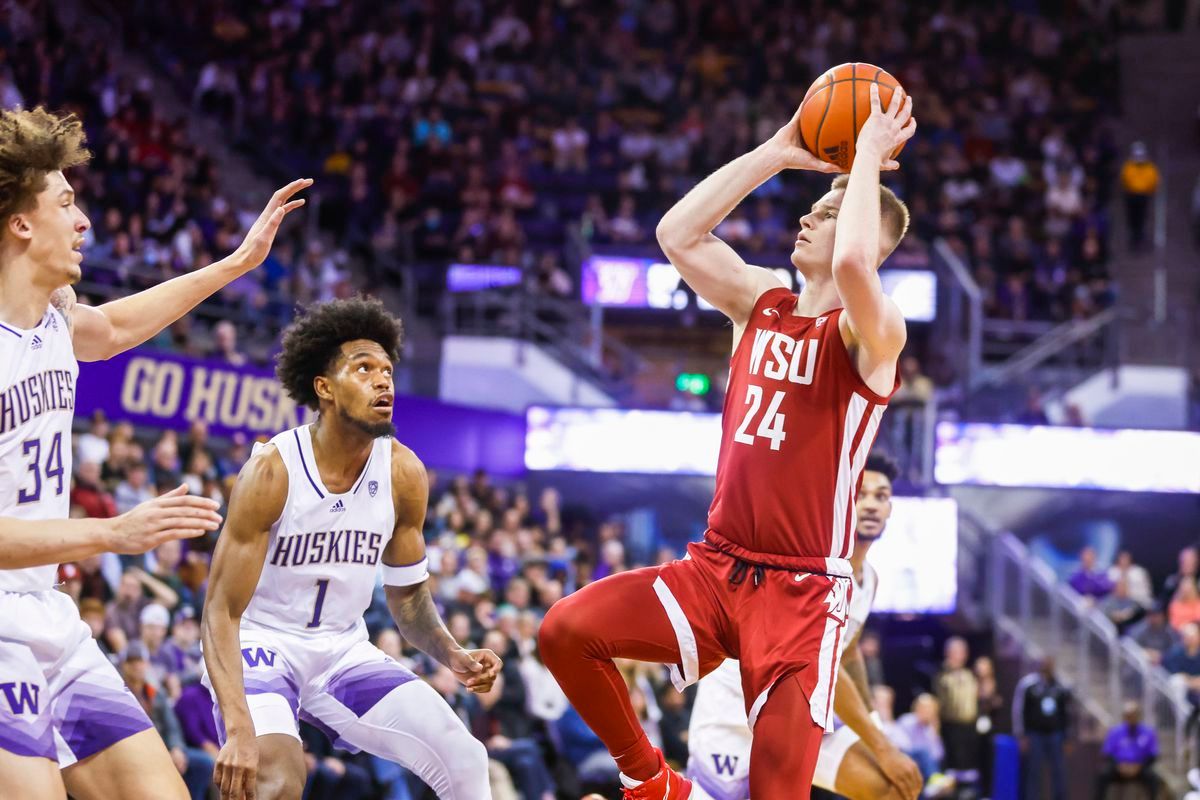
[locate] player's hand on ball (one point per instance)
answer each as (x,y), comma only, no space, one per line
(475,669)
(885,130)
(236,773)
(786,145)
(174,515)
(257,244)
(902,772)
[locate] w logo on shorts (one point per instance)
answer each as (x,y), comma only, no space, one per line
(21,697)
(256,655)
(725,765)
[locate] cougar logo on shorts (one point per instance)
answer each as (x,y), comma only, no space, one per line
(837,600)
(22,697)
(257,655)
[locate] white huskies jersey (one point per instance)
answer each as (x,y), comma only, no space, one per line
(719,698)
(325,548)
(37,403)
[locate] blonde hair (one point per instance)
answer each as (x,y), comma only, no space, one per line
(893,213)
(32,145)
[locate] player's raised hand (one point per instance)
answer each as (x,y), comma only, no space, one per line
(254,248)
(885,130)
(236,772)
(475,669)
(174,515)
(786,145)
(902,772)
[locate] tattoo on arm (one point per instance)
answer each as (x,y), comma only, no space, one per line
(418,620)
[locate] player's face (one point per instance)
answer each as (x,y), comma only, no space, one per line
(54,232)
(813,252)
(362,387)
(874,505)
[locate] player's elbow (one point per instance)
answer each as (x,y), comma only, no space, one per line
(673,237)
(851,263)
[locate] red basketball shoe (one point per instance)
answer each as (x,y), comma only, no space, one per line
(667,784)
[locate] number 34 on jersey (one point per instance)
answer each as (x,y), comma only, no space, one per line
(777,357)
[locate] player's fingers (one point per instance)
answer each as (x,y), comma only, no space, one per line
(178,491)
(293,205)
(188,501)
(250,783)
(890,165)
(874,97)
(896,102)
(909,129)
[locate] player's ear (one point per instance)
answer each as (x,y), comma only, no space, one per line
(322,387)
(18,225)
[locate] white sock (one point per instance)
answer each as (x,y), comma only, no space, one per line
(630,783)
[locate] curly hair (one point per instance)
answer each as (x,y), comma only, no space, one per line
(32,144)
(313,342)
(882,462)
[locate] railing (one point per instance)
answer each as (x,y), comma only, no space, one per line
(1087,343)
(1047,618)
(560,326)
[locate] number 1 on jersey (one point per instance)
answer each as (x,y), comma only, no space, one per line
(322,586)
(771,424)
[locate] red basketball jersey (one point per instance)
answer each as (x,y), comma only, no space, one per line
(797,426)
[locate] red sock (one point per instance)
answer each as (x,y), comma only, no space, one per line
(617,617)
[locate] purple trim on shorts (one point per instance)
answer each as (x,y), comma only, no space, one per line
(24,736)
(361,686)
(718,790)
(330,732)
(93,717)
(275,683)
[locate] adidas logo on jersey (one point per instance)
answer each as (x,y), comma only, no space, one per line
(338,506)
(36,344)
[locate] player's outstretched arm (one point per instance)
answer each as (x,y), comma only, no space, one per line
(874,319)
(174,515)
(104,331)
(851,702)
(710,266)
(405,575)
(257,501)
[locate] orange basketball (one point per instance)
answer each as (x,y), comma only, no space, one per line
(835,108)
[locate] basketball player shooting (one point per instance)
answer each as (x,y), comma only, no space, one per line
(65,706)
(809,379)
(313,514)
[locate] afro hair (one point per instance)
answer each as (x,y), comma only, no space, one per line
(313,342)
(882,462)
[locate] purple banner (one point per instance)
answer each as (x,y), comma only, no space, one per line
(165,390)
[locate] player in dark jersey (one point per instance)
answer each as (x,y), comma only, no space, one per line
(809,379)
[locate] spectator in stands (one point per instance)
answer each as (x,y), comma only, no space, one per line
(1092,583)
(957,693)
(1189,567)
(1041,715)
(1034,412)
(194,709)
(197,769)
(1154,634)
(920,730)
(134,489)
(991,706)
(181,653)
(1183,662)
(92,445)
(1130,750)
(152,634)
(1136,577)
(91,611)
(125,611)
(89,492)
(868,645)
(1139,182)
(331,777)
(884,701)
(225,347)
(1121,609)
(1185,605)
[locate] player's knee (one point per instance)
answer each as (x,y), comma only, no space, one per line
(280,784)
